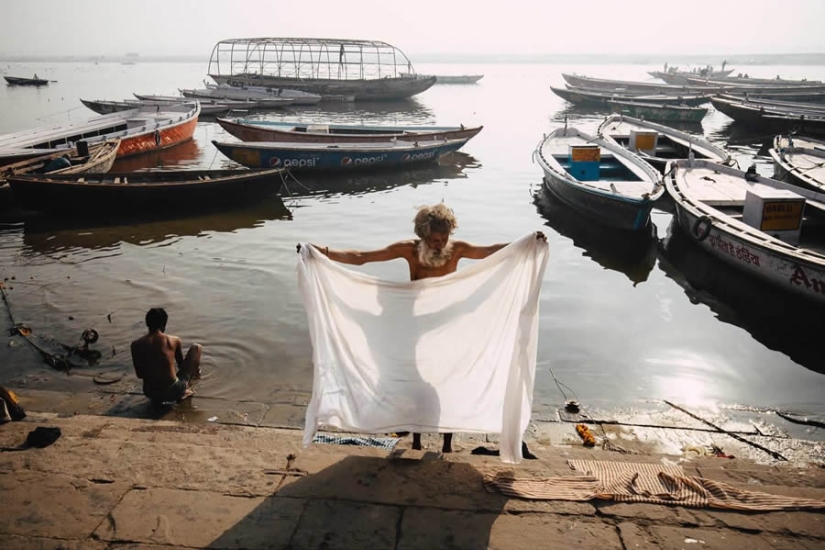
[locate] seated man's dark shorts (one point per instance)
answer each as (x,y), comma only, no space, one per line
(171,394)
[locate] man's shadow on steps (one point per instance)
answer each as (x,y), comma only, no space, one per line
(373,502)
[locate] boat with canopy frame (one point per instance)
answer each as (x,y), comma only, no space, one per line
(337,69)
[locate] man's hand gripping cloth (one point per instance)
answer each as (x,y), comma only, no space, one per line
(448,354)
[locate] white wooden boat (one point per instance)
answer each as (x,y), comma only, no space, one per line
(658,144)
(208,107)
(448,79)
(243,92)
(760,225)
(658,112)
(799,160)
(141,130)
(599,178)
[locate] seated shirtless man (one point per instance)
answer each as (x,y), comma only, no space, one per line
(158,359)
(432,254)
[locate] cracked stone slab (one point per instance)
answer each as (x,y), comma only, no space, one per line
(398,482)
(218,469)
(41,543)
(691,538)
(61,506)
(201,519)
(424,529)
(284,415)
(344,525)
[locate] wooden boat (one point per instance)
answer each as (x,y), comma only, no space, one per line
(22,81)
(365,70)
(654,111)
(773,102)
(581,96)
(458,79)
(141,130)
(449,79)
(658,144)
(140,191)
(262,130)
(338,156)
(599,179)
(800,161)
(758,225)
(674,76)
(208,108)
(740,81)
(95,159)
(243,92)
(773,118)
(627,85)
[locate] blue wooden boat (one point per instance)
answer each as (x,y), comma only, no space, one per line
(599,179)
(344,156)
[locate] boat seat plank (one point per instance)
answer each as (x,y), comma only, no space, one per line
(717,189)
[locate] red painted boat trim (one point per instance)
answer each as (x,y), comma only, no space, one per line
(157,139)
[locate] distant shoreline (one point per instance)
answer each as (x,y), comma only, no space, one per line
(692,60)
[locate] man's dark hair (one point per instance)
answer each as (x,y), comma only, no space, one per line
(156,319)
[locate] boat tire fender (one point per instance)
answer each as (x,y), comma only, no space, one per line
(701,228)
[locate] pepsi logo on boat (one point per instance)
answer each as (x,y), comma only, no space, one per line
(274,162)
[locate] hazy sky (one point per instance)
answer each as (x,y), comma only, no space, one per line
(114,27)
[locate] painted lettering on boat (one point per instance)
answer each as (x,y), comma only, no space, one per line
(274,162)
(741,253)
(347,161)
(417,156)
(800,277)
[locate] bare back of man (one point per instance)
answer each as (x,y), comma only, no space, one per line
(158,360)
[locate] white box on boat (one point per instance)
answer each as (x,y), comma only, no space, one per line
(777,212)
(318,128)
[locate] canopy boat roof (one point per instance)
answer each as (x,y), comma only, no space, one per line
(308,58)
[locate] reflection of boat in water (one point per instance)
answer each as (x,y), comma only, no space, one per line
(631,253)
(450,166)
(49,235)
(778,320)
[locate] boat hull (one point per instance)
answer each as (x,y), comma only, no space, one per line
(607,210)
(601,98)
(17,81)
(68,197)
(251,132)
(803,278)
(157,140)
(337,159)
(658,113)
(359,89)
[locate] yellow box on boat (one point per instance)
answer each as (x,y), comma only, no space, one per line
(585,153)
(644,140)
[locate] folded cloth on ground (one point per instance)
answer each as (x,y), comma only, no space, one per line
(448,354)
(387,443)
(649,483)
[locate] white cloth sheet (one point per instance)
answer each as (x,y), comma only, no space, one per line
(449,354)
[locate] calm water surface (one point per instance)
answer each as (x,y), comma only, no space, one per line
(622,322)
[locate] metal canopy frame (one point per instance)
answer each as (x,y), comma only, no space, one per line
(309,58)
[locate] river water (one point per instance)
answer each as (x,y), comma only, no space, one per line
(622,322)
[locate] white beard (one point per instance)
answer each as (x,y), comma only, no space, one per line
(429,257)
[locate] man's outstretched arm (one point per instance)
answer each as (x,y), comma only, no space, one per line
(474,252)
(394,251)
